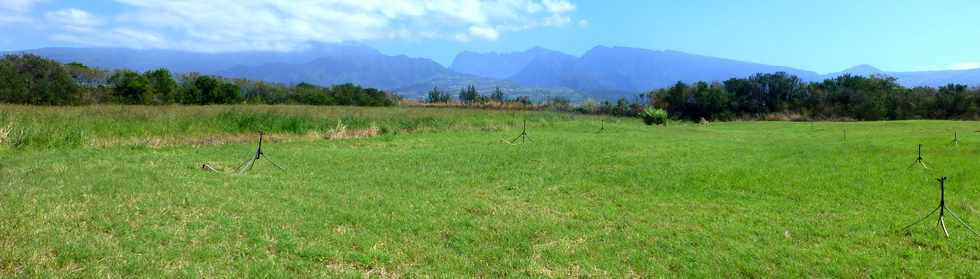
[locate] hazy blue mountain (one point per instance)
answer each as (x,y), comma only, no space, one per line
(497,65)
(919,78)
(859,70)
(634,69)
(938,78)
(367,69)
(609,72)
(547,69)
(324,64)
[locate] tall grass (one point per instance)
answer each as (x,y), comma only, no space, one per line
(73,127)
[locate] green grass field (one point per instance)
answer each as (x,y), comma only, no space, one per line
(439,194)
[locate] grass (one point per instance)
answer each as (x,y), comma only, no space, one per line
(73,127)
(738,199)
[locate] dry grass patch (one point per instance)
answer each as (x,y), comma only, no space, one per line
(218,139)
(5,132)
(342,132)
(364,271)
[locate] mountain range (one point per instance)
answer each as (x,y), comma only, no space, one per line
(600,73)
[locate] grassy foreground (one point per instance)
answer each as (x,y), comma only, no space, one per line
(740,199)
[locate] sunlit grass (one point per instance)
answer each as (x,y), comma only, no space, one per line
(738,199)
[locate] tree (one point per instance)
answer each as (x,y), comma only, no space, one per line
(953,101)
(310,94)
(205,90)
(498,96)
(469,95)
(31,79)
(129,87)
(228,93)
(163,84)
(436,96)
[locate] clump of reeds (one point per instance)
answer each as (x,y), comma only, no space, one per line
(342,132)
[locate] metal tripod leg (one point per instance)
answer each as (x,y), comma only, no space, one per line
(273,162)
(523,136)
(920,220)
(919,162)
(942,223)
(962,222)
(246,166)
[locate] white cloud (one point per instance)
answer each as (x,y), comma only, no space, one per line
(583,23)
(965,66)
(556,20)
(80,27)
(236,25)
(13,18)
(558,7)
(115,37)
(74,20)
(15,11)
(484,32)
(18,6)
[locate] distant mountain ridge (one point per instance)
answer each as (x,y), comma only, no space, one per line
(324,64)
(919,78)
(614,71)
(497,65)
(374,70)
(600,73)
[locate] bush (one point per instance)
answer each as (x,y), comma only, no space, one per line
(653,116)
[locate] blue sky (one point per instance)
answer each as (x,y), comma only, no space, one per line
(822,36)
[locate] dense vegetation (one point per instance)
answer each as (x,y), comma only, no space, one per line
(844,97)
(29,79)
(777,95)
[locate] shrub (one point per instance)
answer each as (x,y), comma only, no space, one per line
(653,116)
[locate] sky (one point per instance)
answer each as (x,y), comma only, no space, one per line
(818,35)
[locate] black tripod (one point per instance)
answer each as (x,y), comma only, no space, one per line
(258,155)
(919,161)
(942,211)
(956,139)
(602,126)
(523,136)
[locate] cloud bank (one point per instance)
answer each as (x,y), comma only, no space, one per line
(16,11)
(242,25)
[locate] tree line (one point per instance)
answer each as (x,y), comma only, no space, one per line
(34,80)
(844,97)
(30,79)
(470,96)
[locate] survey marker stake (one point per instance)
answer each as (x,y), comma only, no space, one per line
(919,161)
(523,136)
(258,155)
(942,212)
